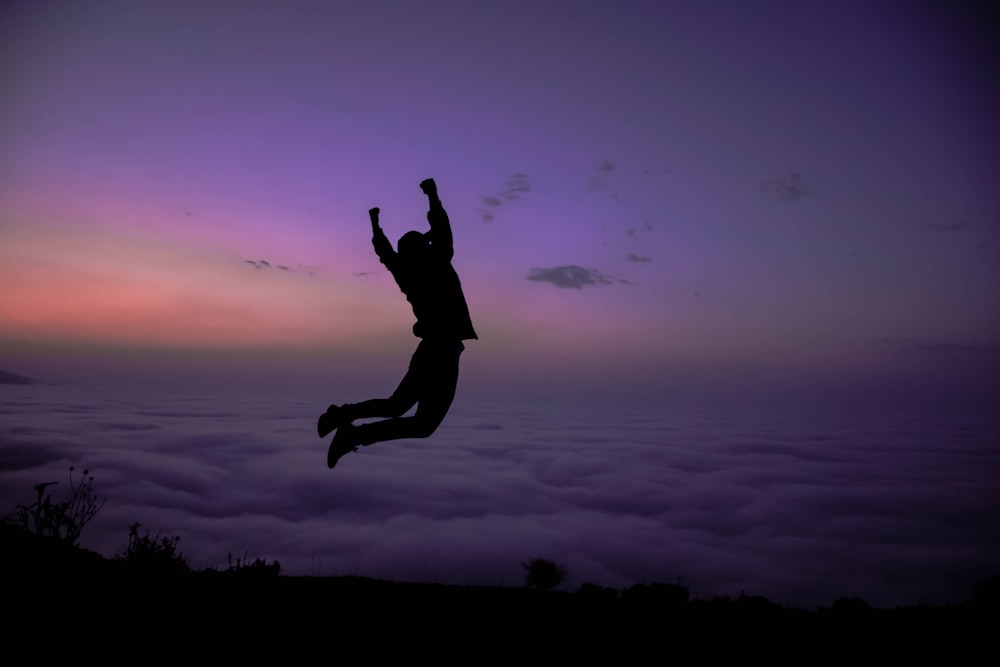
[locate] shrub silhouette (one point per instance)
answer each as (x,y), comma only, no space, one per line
(987,594)
(258,568)
(60,521)
(656,595)
(155,555)
(543,574)
(592,591)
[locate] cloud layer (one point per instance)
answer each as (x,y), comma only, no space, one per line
(800,508)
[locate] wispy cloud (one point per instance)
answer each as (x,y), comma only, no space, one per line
(632,257)
(570,276)
(786,188)
(632,231)
(961,350)
(513,188)
(946,350)
(264,264)
(597,180)
(958,226)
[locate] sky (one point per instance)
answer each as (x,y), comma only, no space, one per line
(648,196)
(659,208)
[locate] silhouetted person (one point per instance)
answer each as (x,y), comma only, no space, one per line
(422,268)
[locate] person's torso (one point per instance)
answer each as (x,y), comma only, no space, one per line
(435,293)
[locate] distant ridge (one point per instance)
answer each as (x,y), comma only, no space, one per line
(11,378)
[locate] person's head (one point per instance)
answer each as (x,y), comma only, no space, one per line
(412,245)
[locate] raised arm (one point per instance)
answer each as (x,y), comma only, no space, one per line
(440,235)
(383,248)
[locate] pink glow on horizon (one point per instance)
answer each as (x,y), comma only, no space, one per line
(109,288)
(114,284)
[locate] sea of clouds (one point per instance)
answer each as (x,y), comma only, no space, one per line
(802,507)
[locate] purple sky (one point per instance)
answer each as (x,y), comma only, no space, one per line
(695,191)
(659,204)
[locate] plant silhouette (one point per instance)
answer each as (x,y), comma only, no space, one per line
(543,574)
(421,266)
(154,554)
(61,521)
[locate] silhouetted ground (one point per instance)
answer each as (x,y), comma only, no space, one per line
(58,593)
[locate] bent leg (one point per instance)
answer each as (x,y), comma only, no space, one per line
(430,413)
(435,382)
(401,400)
(393,406)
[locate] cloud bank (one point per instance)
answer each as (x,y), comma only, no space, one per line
(802,509)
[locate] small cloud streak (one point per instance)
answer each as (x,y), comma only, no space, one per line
(632,231)
(961,350)
(632,257)
(956,351)
(515,186)
(570,276)
(959,226)
(596,181)
(264,264)
(513,189)
(786,188)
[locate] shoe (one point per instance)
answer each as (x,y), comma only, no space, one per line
(329,420)
(345,442)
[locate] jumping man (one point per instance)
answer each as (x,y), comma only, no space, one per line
(421,266)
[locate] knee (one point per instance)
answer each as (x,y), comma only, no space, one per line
(423,427)
(396,406)
(423,431)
